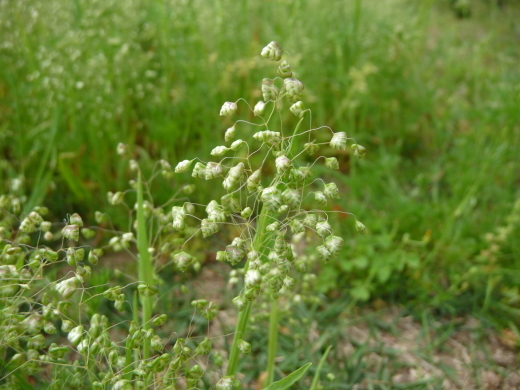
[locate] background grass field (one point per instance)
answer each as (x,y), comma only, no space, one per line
(434,96)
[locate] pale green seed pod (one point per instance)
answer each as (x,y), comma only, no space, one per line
(237,144)
(280,245)
(79,254)
(199,170)
(267,136)
(119,304)
(323,229)
(334,245)
(253,181)
(71,257)
(331,191)
(361,228)
(296,175)
(219,151)
(127,237)
(183,166)
(36,342)
(100,217)
(67,326)
(48,236)
(160,320)
(88,233)
(283,163)
(285,70)
(332,163)
(230,204)
(259,108)
(27,225)
(239,303)
(116,198)
(272,227)
(35,217)
(57,352)
(252,279)
(71,232)
(147,290)
(225,383)
(320,198)
(339,141)
(271,198)
(359,151)
(323,253)
(133,165)
(50,255)
(246,213)
(310,220)
(297,226)
(49,328)
(234,176)
(244,347)
(67,287)
(283,209)
(123,384)
(272,51)
(253,256)
(311,148)
(298,109)
(213,170)
(230,134)
(291,198)
(83,347)
(228,108)
(156,343)
(188,189)
(276,282)
(293,87)
(75,219)
(251,293)
(76,335)
(122,149)
(269,90)
(92,258)
(289,282)
(204,347)
(178,214)
(211,312)
(221,256)
(234,254)
(215,212)
(183,260)
(208,228)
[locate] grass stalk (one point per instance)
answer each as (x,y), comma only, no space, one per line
(274,320)
(244,315)
(145,264)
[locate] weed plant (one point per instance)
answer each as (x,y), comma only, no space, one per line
(42,303)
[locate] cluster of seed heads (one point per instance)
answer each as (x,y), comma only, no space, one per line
(269,195)
(283,196)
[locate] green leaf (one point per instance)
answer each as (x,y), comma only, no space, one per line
(289,380)
(314,385)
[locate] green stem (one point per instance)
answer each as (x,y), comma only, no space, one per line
(274,319)
(145,264)
(244,315)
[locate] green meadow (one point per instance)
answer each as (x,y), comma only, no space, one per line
(431,89)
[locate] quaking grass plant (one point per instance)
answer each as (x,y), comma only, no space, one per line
(52,331)
(52,334)
(270,213)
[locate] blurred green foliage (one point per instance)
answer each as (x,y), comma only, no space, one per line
(434,98)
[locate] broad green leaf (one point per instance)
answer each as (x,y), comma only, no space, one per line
(289,380)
